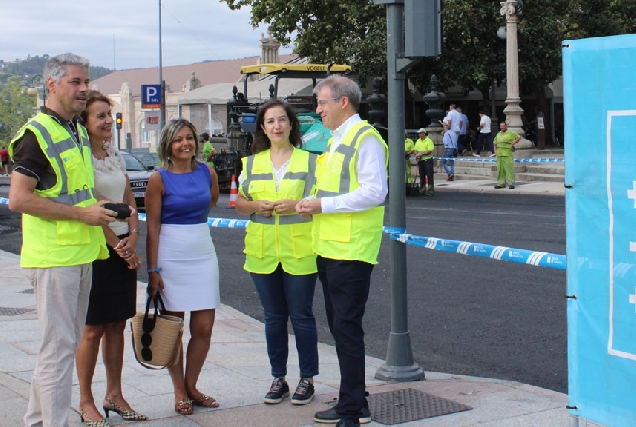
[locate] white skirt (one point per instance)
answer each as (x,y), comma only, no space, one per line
(190,268)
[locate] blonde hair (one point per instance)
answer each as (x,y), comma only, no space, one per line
(168,134)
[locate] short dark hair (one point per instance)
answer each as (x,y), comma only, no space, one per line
(261,141)
(93,96)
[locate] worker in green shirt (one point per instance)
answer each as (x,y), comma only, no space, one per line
(424,147)
(208,151)
(504,143)
(409,151)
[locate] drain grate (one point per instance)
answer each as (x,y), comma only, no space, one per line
(12,311)
(401,406)
(28,291)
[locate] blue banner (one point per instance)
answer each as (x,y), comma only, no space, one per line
(600,153)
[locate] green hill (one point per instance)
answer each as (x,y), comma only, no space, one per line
(25,69)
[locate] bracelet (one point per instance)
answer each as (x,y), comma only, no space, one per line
(154,270)
(134,230)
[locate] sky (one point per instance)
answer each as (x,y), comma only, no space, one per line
(124,34)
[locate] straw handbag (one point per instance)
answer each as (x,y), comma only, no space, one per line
(156,337)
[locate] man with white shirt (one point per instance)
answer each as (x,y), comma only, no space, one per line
(454,119)
(461,147)
(485,135)
(348,218)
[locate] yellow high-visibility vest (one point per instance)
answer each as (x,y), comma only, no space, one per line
(347,235)
(59,243)
(284,239)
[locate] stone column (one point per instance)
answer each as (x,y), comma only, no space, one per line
(511,9)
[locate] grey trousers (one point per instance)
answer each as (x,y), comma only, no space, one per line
(61,295)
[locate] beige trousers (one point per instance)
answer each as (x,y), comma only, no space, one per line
(61,295)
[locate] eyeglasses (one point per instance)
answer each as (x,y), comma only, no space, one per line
(148,326)
(325,101)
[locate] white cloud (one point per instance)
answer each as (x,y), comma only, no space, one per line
(125,32)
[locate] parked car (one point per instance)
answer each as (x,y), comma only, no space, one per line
(139,176)
(149,160)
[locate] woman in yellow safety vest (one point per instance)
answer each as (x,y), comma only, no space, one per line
(278,249)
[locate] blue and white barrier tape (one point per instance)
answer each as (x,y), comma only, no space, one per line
(217,222)
(493,160)
(502,253)
(542,259)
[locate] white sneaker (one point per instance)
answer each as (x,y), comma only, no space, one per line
(476,155)
(493,154)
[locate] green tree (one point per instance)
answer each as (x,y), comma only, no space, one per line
(350,32)
(354,32)
(16,107)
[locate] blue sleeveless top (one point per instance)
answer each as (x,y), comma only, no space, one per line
(187,197)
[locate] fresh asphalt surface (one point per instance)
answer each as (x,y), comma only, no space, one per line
(467,315)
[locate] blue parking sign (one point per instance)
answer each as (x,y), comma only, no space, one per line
(151,96)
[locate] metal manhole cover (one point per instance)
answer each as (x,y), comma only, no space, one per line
(28,291)
(12,311)
(401,406)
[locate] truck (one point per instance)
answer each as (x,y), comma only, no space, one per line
(242,109)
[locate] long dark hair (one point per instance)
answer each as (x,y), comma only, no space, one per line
(261,141)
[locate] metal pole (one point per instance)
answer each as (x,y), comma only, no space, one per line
(399,365)
(162,116)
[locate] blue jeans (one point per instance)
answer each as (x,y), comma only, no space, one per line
(284,297)
(449,153)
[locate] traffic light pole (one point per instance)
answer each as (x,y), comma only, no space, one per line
(118,125)
(399,364)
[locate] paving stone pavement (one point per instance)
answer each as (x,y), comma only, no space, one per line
(236,372)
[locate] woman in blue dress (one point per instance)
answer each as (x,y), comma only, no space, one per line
(182,261)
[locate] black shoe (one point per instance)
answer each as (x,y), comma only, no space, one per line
(512,187)
(497,187)
(277,392)
(304,392)
(330,416)
(347,423)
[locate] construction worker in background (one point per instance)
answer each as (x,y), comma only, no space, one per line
(409,152)
(424,147)
(208,152)
(504,146)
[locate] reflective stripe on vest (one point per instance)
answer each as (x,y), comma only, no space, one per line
(309,178)
(54,152)
(349,151)
(282,219)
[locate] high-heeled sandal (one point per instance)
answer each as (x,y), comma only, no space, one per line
(90,423)
(125,414)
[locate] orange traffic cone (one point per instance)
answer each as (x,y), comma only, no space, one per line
(233,192)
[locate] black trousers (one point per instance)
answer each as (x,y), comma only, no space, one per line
(427,169)
(345,285)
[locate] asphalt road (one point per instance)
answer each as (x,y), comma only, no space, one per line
(467,315)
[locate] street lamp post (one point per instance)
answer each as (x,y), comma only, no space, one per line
(511,9)
(38,84)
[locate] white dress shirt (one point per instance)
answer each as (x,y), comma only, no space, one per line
(370,170)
